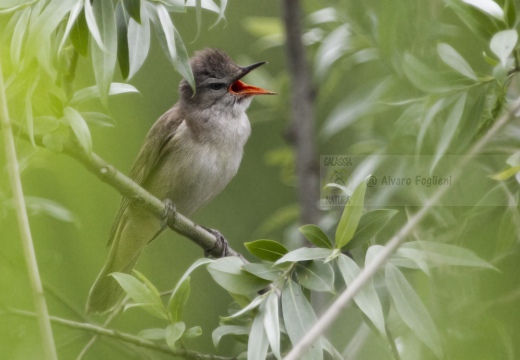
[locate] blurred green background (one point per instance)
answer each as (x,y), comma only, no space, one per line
(476,312)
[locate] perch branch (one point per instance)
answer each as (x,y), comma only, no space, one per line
(326,320)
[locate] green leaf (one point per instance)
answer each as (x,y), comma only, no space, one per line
(487,6)
(79,34)
(299,317)
(122,19)
(316,276)
(304,254)
(38,205)
(178,301)
(224,330)
(350,219)
(104,59)
(79,128)
(428,118)
(198,263)
(366,299)
(263,271)
(269,250)
(503,43)
(258,343)
(221,15)
(93,25)
(453,59)
(192,332)
(97,118)
(134,7)
(316,236)
(148,284)
(173,333)
(141,295)
(152,334)
(29,111)
(422,77)
(172,44)
(198,16)
(506,174)
(253,304)
(73,16)
(272,323)
(228,273)
(411,309)
(139,41)
(450,128)
(370,224)
(19,34)
(437,254)
(206,4)
(92,92)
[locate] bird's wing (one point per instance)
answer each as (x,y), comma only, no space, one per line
(151,152)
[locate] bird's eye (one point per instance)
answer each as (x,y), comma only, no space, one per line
(217,86)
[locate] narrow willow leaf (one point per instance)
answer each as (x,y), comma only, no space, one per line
(198,15)
(258,343)
(182,61)
(20,31)
(104,60)
(316,276)
(148,284)
(411,309)
(299,317)
(221,15)
(506,174)
(366,299)
(141,295)
(453,59)
(92,24)
(206,4)
(488,6)
(97,118)
(178,301)
(134,7)
(442,254)
(79,128)
(253,304)
(224,330)
(503,43)
(198,263)
(422,76)
(450,128)
(192,332)
(269,250)
(316,236)
(304,254)
(79,35)
(92,92)
(350,219)
(152,334)
(263,271)
(29,111)
(73,16)
(122,19)
(174,333)
(272,323)
(228,273)
(138,41)
(370,224)
(425,123)
(42,206)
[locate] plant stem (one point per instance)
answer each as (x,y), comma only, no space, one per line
(25,230)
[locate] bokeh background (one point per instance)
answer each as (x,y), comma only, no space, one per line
(476,311)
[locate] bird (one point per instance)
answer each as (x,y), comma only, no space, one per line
(188,157)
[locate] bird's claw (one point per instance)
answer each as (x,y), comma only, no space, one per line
(221,248)
(169,209)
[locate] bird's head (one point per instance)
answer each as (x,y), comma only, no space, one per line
(217,80)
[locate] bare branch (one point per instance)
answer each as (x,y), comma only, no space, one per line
(328,318)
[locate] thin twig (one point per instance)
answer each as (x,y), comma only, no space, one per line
(328,318)
(25,230)
(132,339)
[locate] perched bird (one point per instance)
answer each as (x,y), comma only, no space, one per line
(189,156)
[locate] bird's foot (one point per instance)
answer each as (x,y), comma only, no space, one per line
(221,247)
(169,209)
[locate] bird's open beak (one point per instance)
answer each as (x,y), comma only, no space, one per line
(239,87)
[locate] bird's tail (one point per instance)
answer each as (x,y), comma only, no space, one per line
(135,230)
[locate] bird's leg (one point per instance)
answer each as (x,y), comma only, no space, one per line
(169,209)
(221,247)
